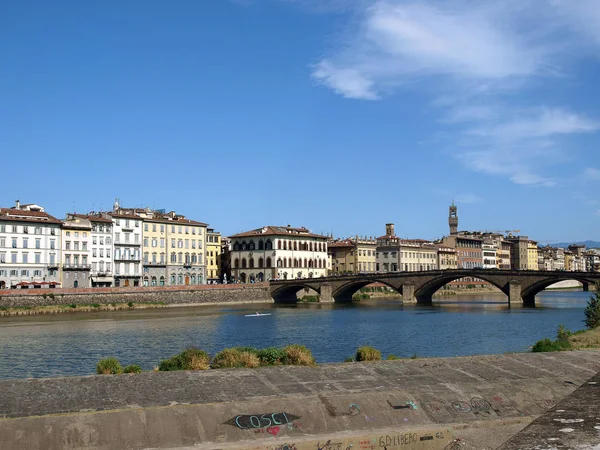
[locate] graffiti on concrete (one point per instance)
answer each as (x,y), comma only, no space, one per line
(398,439)
(253,421)
(479,405)
(329,445)
(461,406)
(286,447)
(353,408)
(408,405)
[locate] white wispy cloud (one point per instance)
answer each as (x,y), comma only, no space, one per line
(475,58)
(468,198)
(591,173)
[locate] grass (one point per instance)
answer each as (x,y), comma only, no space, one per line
(132,368)
(368,354)
(360,296)
(310,299)
(73,307)
(233,357)
(109,366)
(585,339)
(189,359)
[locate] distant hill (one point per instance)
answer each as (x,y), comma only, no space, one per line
(588,244)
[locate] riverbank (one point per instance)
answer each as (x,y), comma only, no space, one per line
(478,402)
(55,301)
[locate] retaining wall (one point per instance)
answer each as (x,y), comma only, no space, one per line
(203,294)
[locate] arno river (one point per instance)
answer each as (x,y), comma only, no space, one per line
(72,344)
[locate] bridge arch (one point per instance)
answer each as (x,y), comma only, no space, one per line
(424,293)
(289,293)
(344,293)
(528,293)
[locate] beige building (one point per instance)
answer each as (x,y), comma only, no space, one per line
(76,252)
(274,252)
(532,255)
(353,255)
(213,256)
(447,258)
(409,255)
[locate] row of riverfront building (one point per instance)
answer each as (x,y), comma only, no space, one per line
(148,247)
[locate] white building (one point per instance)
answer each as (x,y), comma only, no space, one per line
(76,252)
(101,272)
(29,247)
(489,252)
(278,252)
(127,242)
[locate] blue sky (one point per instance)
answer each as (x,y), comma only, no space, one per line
(336,115)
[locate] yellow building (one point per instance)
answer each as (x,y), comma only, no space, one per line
(532,255)
(213,255)
(447,258)
(357,255)
(342,256)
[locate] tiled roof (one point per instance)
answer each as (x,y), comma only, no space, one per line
(125,216)
(340,244)
(271,230)
(19,215)
(92,218)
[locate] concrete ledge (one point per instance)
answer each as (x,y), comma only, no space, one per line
(300,406)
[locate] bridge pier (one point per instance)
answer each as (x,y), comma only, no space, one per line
(326,293)
(514,292)
(408,293)
(586,286)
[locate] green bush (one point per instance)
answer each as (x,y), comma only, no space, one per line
(368,354)
(592,310)
(3,308)
(548,345)
(414,356)
(562,334)
(232,357)
(298,355)
(189,359)
(359,297)
(310,298)
(95,305)
(132,368)
(271,355)
(392,358)
(73,305)
(109,366)
(130,304)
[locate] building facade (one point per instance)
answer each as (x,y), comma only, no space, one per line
(353,255)
(76,252)
(532,255)
(127,241)
(30,242)
(446,258)
(489,253)
(275,252)
(213,256)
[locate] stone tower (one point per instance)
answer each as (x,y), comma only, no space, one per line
(453,218)
(389,229)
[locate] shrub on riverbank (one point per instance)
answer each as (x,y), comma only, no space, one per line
(359,297)
(368,354)
(298,355)
(548,345)
(109,366)
(592,310)
(233,357)
(271,356)
(132,368)
(189,359)
(310,299)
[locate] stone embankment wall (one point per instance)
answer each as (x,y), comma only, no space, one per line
(204,294)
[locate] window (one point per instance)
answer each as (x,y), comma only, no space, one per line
(146,241)
(187,230)
(24,273)
(153,228)
(26,230)
(117,238)
(126,223)
(102,253)
(76,245)
(94,252)
(14,273)
(162,243)
(3,257)
(2,228)
(25,258)
(173,257)
(187,243)
(154,242)
(38,258)
(14,242)
(146,227)
(52,258)
(162,228)
(84,246)
(2,242)
(172,243)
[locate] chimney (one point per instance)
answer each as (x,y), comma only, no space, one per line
(17,204)
(389,229)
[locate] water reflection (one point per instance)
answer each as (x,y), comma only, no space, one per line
(39,346)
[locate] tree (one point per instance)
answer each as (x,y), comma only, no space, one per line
(592,310)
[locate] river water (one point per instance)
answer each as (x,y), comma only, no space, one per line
(72,344)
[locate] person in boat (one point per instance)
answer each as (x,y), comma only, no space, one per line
(257,313)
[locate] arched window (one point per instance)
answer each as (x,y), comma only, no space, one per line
(244,247)
(268,245)
(295,262)
(251,263)
(244,263)
(146,254)
(187,258)
(180,279)
(268,262)
(180,257)
(172,278)
(153,281)
(279,263)
(319,246)
(236,247)
(260,263)
(305,263)
(285,245)
(310,247)
(261,245)
(236,263)
(279,245)
(295,245)
(154,258)
(251,245)
(310,263)
(193,278)
(194,258)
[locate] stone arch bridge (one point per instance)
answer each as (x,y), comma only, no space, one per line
(518,285)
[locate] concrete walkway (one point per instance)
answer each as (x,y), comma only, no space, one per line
(420,404)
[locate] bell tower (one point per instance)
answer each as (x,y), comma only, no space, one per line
(453,218)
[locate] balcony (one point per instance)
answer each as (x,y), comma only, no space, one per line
(155,264)
(128,244)
(130,258)
(187,265)
(52,266)
(77,266)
